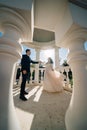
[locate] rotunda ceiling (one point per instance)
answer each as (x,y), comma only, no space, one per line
(41,35)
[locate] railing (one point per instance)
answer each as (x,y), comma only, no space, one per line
(68,83)
(37,76)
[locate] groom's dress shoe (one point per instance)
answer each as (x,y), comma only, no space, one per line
(25,93)
(23,98)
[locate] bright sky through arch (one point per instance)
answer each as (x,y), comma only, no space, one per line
(63,53)
(47,53)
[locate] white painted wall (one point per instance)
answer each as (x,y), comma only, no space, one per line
(48,13)
(63,26)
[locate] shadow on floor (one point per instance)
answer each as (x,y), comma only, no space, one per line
(43,110)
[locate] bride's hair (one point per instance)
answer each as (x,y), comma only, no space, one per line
(50,60)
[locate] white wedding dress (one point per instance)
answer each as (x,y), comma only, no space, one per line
(53,80)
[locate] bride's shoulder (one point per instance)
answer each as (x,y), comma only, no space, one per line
(47,64)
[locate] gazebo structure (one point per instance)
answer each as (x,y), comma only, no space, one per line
(39,23)
(39,46)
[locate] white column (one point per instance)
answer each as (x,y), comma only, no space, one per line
(37,66)
(56,57)
(37,54)
(76,115)
(10,52)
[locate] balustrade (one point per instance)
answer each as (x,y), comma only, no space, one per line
(37,76)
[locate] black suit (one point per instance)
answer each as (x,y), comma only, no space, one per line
(25,65)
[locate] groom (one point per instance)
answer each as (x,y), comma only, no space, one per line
(25,68)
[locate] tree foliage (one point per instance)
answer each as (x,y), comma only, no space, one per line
(65,63)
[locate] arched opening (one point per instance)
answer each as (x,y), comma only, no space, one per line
(1,34)
(63,53)
(85,45)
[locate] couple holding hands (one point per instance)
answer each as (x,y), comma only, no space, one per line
(53,81)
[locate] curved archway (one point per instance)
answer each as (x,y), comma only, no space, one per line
(1,34)
(85,45)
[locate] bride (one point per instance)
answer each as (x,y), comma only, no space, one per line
(53,81)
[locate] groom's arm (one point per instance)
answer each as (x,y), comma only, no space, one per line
(34,62)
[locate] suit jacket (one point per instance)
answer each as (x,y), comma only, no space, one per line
(25,63)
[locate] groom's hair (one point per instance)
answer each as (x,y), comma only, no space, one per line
(27,50)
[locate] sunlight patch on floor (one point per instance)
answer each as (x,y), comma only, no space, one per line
(26,119)
(32,92)
(16,91)
(38,94)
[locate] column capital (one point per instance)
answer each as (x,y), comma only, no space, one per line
(56,47)
(9,46)
(77,51)
(76,44)
(37,49)
(78,56)
(9,42)
(12,32)
(11,18)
